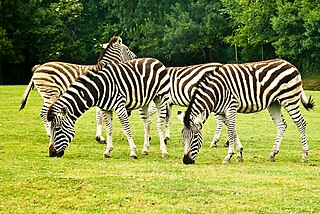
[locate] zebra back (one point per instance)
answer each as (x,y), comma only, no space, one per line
(183,81)
(53,78)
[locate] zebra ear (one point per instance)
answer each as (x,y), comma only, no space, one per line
(200,119)
(64,111)
(119,41)
(180,115)
(105,45)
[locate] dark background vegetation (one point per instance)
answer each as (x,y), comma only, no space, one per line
(178,33)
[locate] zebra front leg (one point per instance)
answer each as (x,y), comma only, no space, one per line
(275,113)
(123,117)
(43,115)
(144,114)
(168,124)
(239,148)
(217,134)
(231,124)
(99,121)
(107,115)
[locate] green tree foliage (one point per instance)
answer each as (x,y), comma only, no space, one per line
(181,32)
(251,24)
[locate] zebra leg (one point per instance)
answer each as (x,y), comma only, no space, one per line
(107,115)
(43,115)
(277,117)
(168,123)
(239,148)
(144,114)
(161,117)
(300,122)
(231,115)
(99,121)
(123,117)
(217,134)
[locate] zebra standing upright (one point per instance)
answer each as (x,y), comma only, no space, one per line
(246,88)
(53,78)
(182,85)
(117,87)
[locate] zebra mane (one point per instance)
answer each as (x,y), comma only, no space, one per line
(112,41)
(202,81)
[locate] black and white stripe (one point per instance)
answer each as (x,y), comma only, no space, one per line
(246,88)
(52,79)
(117,87)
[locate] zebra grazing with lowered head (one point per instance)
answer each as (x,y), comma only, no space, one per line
(182,85)
(116,87)
(52,79)
(246,88)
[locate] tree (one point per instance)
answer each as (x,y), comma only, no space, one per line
(252,30)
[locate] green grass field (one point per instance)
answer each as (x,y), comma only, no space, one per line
(84,182)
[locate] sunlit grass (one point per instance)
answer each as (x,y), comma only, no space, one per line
(84,182)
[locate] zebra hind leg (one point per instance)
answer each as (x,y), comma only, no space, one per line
(161,117)
(277,117)
(300,122)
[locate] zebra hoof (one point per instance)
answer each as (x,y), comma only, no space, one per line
(226,161)
(226,144)
(166,140)
(213,145)
(106,155)
(100,140)
(304,160)
(239,159)
(133,157)
(144,152)
(271,158)
(165,155)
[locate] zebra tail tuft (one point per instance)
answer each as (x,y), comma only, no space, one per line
(310,104)
(307,103)
(26,94)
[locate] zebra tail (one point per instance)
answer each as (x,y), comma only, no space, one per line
(26,94)
(307,103)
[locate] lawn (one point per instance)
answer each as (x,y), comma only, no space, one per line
(82,181)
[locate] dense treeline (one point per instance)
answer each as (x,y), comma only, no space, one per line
(176,32)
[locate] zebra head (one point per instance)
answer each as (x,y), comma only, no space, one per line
(62,130)
(115,51)
(192,137)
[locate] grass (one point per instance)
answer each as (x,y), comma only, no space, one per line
(84,182)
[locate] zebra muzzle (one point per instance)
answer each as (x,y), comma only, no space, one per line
(54,153)
(187,159)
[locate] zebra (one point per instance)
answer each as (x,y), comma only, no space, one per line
(53,78)
(116,87)
(246,88)
(182,85)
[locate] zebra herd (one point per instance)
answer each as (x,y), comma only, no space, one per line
(121,83)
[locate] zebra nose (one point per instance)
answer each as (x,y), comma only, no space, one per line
(54,153)
(187,159)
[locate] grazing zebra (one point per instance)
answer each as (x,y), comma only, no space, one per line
(117,87)
(246,88)
(182,85)
(53,78)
